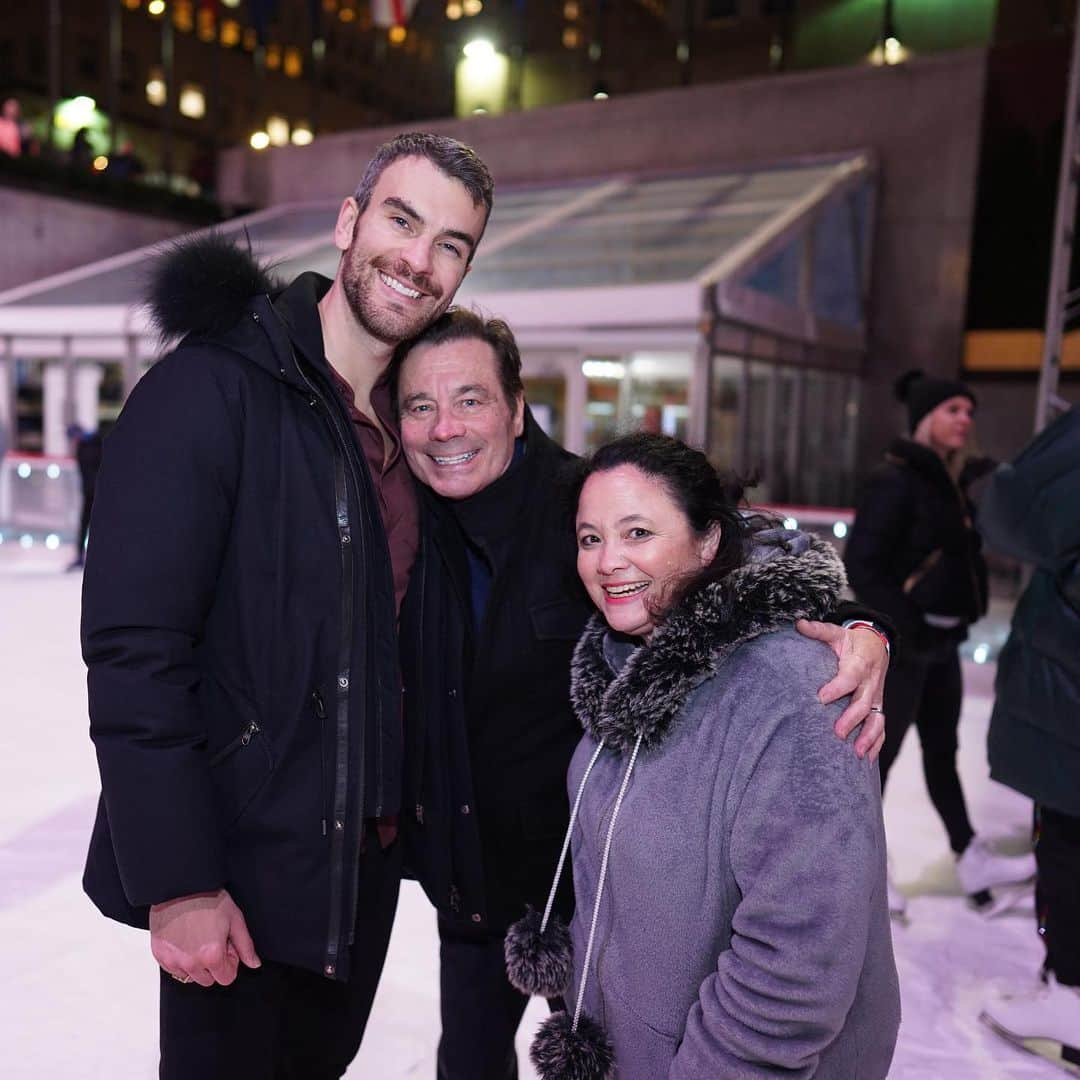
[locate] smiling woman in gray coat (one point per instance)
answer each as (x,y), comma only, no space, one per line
(728,851)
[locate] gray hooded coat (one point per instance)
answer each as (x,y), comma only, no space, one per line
(742,929)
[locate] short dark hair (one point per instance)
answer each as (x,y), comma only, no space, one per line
(709,497)
(450,157)
(464,324)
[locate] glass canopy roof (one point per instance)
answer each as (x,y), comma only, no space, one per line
(792,235)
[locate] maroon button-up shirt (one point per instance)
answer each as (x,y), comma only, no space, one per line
(390,475)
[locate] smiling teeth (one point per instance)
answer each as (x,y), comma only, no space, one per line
(625,590)
(396,285)
(457,459)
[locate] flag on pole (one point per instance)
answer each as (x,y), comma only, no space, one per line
(388,13)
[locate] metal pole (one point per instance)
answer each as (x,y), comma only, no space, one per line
(115,47)
(54,70)
(1061,248)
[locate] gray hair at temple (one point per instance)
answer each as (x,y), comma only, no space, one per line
(452,158)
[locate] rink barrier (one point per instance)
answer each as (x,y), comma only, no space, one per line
(40,500)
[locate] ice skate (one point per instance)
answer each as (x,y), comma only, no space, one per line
(981,869)
(897,900)
(1004,899)
(1045,1022)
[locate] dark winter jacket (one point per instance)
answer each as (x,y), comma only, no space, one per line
(742,927)
(913,550)
(1031,511)
(239,628)
(490,707)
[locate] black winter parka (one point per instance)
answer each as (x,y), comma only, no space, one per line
(1031,511)
(239,630)
(913,548)
(488,708)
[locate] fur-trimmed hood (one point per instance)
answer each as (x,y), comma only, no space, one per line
(620,692)
(203,284)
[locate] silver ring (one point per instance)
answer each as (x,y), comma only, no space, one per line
(877,709)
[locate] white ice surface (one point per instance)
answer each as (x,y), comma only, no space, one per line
(79,996)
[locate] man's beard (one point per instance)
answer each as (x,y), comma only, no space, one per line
(383,324)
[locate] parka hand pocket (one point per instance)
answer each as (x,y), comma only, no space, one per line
(239,770)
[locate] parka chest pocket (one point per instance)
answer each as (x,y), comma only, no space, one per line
(239,770)
(558,620)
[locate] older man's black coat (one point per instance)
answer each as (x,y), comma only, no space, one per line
(239,630)
(488,708)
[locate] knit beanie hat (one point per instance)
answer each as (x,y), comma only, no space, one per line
(922,393)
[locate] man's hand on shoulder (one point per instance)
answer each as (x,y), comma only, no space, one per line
(201,938)
(864,660)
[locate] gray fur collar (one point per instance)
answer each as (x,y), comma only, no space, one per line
(771,591)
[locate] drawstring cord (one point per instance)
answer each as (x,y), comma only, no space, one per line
(603,872)
(566,841)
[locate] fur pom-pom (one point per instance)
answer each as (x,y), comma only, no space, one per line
(203,283)
(902,386)
(560,1053)
(539,963)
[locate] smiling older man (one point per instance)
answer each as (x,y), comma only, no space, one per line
(489,624)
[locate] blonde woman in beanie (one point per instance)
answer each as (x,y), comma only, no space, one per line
(914,554)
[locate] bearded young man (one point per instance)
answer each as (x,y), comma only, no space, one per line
(254,530)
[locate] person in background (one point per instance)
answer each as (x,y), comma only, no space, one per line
(914,552)
(1030,510)
(11,132)
(81,154)
(86,448)
(125,164)
(728,850)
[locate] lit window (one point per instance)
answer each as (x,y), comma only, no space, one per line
(133,5)
(294,63)
(184,15)
(259,140)
(397,35)
(273,57)
(207,26)
(101,163)
(302,134)
(571,37)
(156,8)
(346,13)
(454,10)
(571,9)
(192,101)
(230,33)
(231,3)
(157,92)
(250,38)
(329,6)
(472,7)
(277,128)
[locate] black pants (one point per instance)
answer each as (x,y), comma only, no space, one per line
(279,1022)
(928,694)
(481,1011)
(1057,893)
(84,522)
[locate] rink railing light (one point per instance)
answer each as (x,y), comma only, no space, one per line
(24,470)
(791,523)
(52,541)
(981,653)
(26,541)
(839,530)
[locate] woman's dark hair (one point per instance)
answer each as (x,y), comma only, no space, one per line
(708,497)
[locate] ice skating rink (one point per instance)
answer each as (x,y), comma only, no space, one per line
(80,996)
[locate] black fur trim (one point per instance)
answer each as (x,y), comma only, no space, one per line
(202,284)
(538,963)
(561,1054)
(647,694)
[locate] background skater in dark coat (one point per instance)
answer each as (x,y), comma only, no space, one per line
(914,553)
(254,531)
(494,610)
(1031,511)
(87,447)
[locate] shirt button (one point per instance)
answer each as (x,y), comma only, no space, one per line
(339,825)
(465,809)
(453,693)
(343,682)
(345,538)
(329,969)
(477,917)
